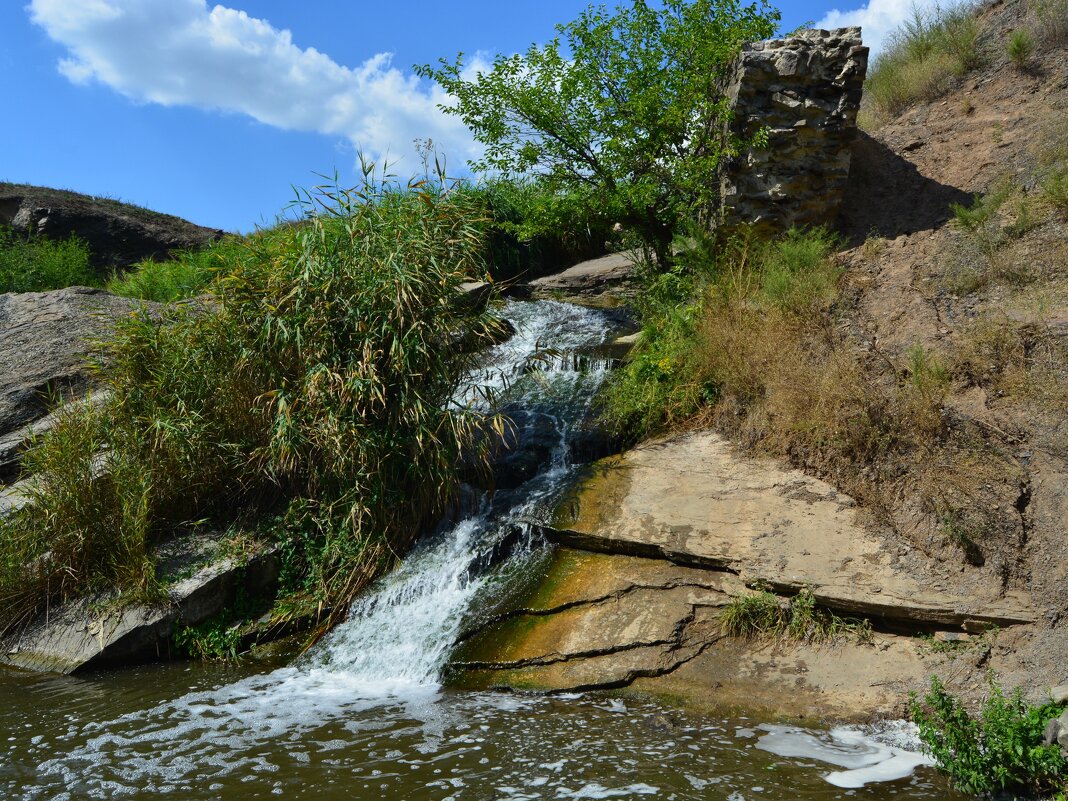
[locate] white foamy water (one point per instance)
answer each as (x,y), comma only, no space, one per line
(888,752)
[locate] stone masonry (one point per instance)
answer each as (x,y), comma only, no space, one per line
(806,89)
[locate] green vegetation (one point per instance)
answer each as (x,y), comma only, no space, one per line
(315,392)
(37,264)
(537,230)
(183,276)
(998,750)
(1021,47)
(623,114)
(922,60)
(764,614)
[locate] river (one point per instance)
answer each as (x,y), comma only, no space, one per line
(368,713)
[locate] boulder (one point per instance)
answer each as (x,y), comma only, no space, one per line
(587,279)
(47,337)
(118,234)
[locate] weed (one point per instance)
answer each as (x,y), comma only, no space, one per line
(956,530)
(1021,48)
(1055,189)
(984,228)
(35,264)
(798,619)
(216,639)
(998,750)
(1050,21)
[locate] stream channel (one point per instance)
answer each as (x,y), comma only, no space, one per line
(368,713)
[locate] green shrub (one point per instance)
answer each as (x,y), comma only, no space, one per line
(1021,47)
(696,339)
(536,230)
(998,750)
(315,388)
(186,275)
(923,58)
(36,264)
(797,274)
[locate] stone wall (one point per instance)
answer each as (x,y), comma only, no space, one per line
(806,89)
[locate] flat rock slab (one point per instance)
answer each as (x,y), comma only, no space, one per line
(81,636)
(602,621)
(695,501)
(599,621)
(587,277)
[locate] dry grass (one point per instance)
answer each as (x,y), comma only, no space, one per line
(924,58)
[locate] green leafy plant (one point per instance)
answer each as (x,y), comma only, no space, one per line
(36,264)
(997,750)
(625,109)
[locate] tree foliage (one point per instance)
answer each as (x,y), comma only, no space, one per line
(624,110)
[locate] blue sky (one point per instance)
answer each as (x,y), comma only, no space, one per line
(214,112)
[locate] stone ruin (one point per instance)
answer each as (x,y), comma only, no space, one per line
(806,89)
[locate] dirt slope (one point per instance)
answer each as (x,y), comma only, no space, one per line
(991,305)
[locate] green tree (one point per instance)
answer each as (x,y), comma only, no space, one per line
(623,112)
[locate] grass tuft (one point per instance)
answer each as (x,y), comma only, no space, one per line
(799,619)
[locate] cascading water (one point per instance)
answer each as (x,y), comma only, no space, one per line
(364,716)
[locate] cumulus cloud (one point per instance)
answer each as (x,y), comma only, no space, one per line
(183,53)
(878,18)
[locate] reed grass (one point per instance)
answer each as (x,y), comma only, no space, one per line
(314,390)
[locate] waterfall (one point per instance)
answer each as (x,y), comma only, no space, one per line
(393,647)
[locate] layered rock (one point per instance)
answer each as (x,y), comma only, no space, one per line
(658,541)
(805,90)
(91,633)
(47,337)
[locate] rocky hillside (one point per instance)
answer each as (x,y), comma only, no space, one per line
(945,532)
(118,234)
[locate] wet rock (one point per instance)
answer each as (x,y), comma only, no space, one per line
(88,633)
(118,234)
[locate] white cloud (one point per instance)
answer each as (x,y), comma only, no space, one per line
(878,18)
(183,53)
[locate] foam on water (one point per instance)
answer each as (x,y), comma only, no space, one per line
(888,752)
